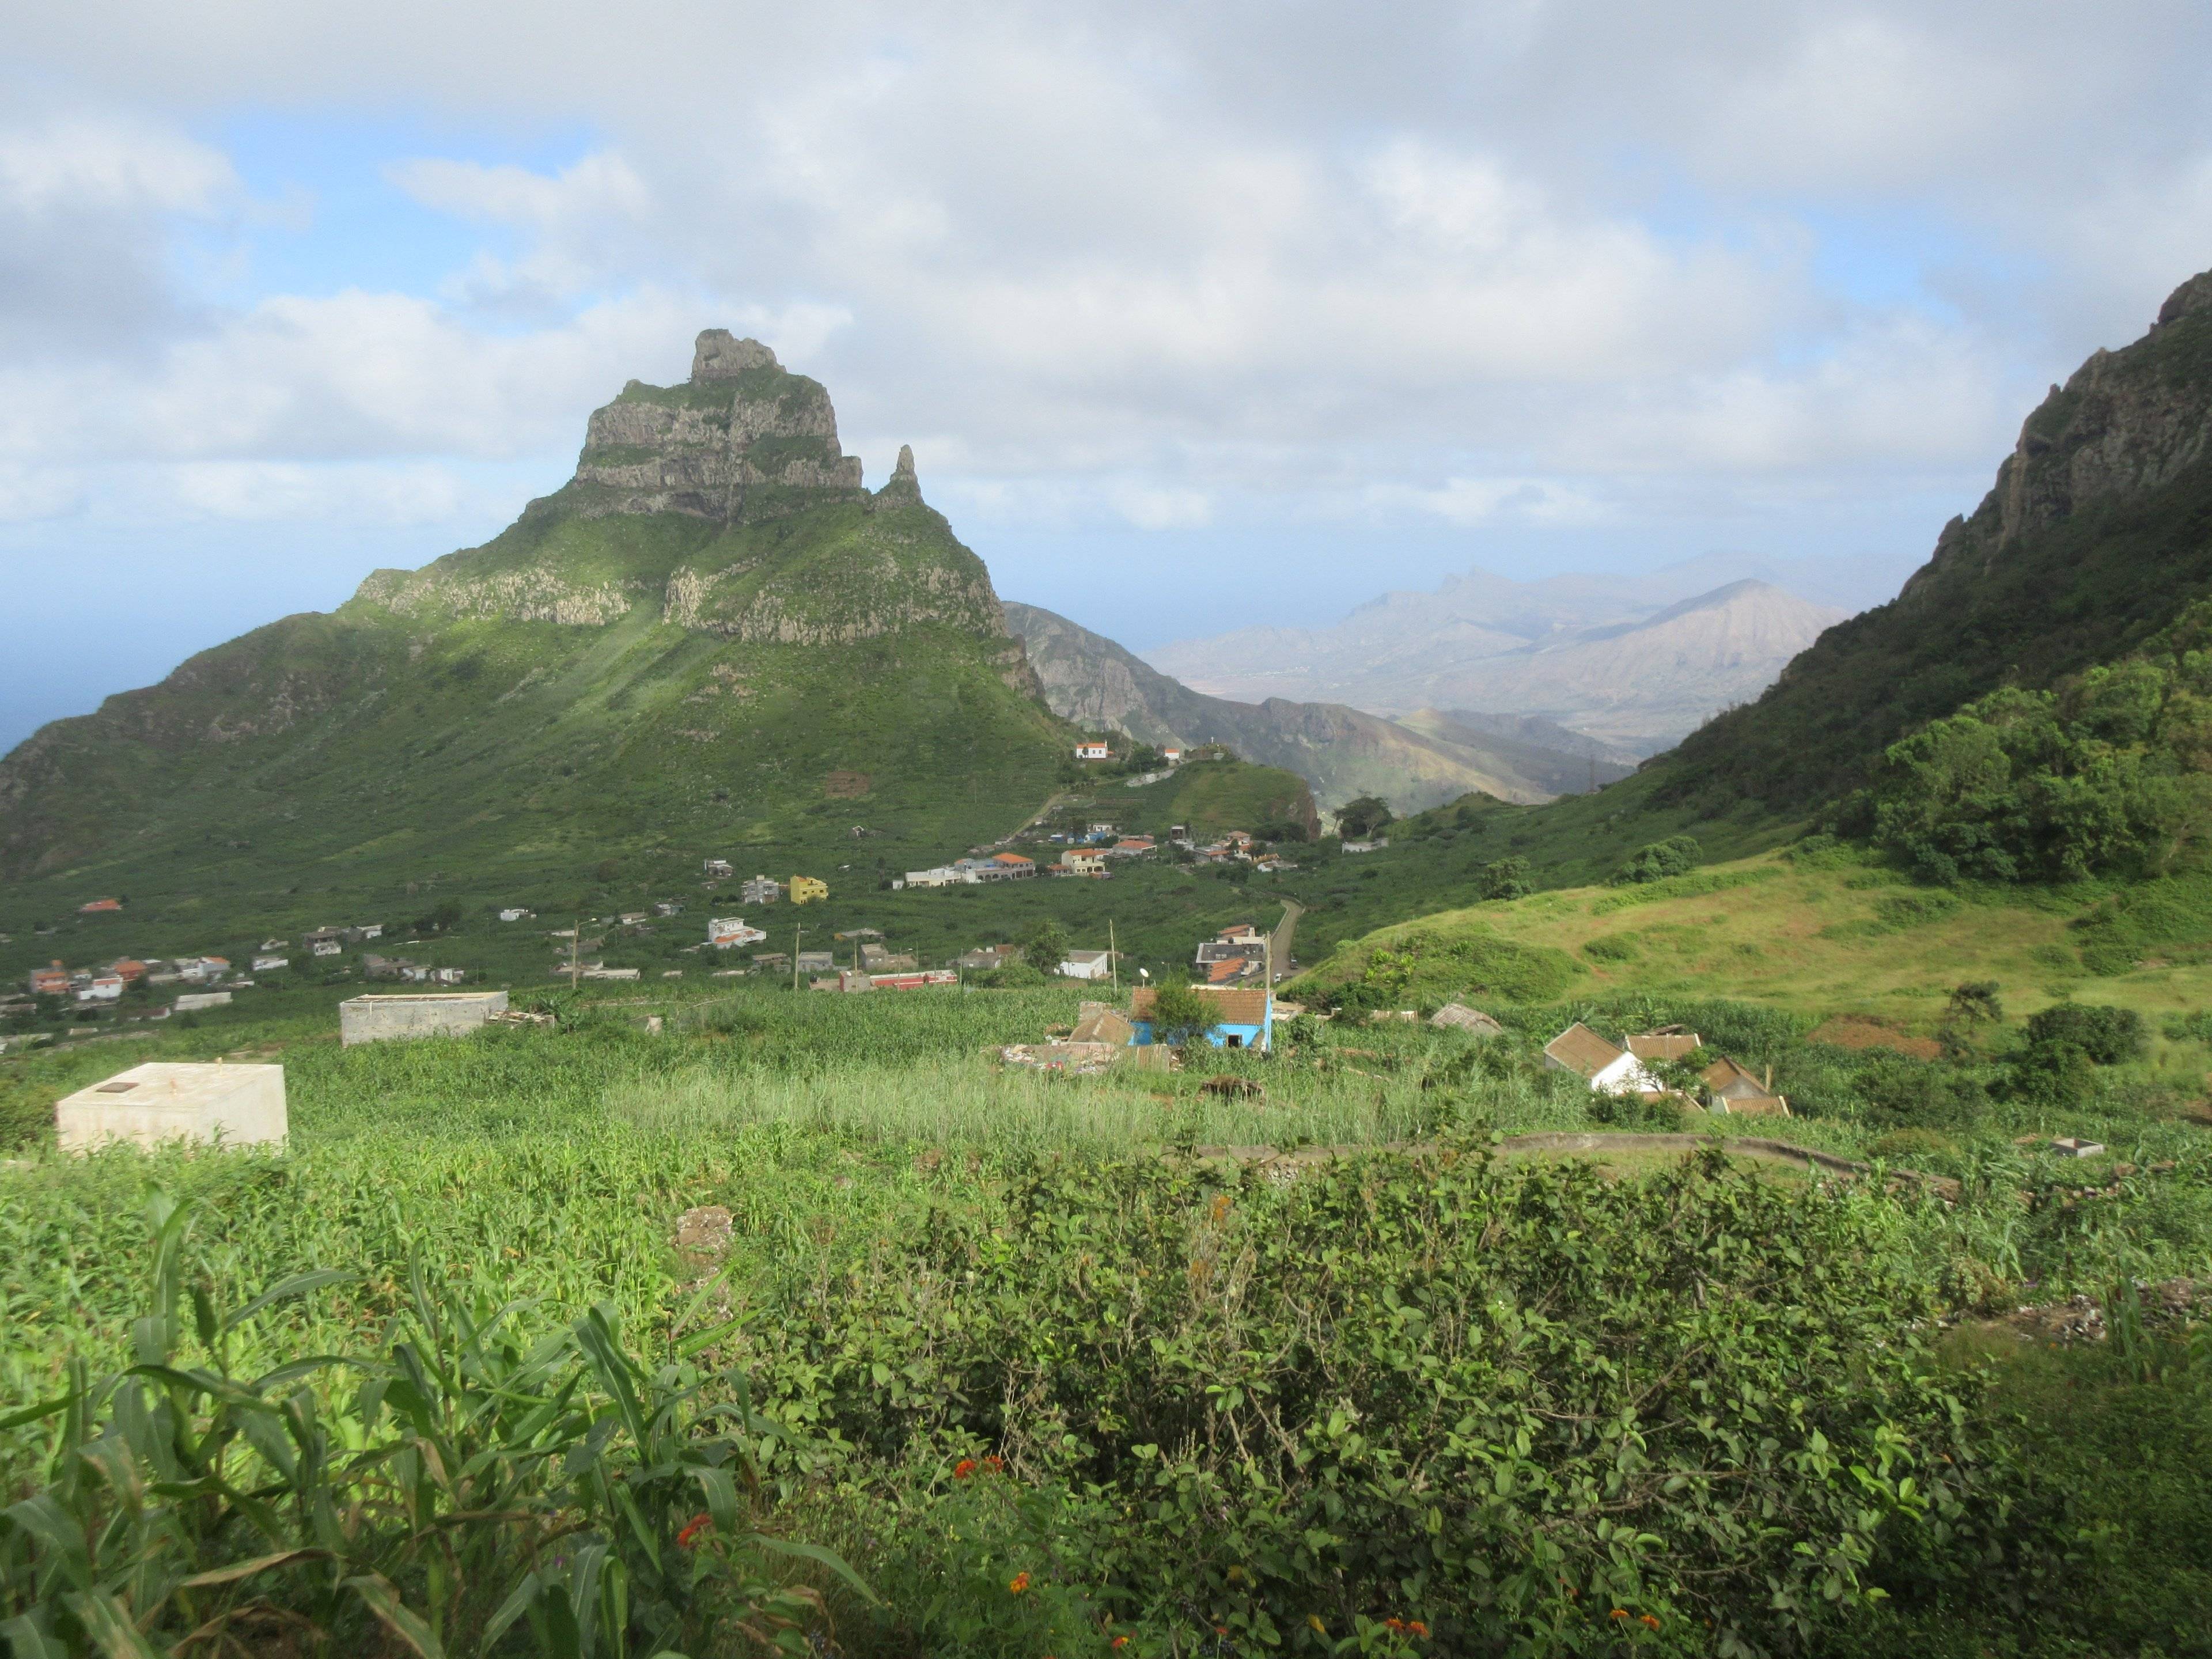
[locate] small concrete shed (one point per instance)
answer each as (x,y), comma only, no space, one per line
(147,1105)
(441,1014)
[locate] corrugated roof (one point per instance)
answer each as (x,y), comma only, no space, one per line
(1662,1045)
(1581,1049)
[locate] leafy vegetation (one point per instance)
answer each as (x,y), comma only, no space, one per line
(2110,772)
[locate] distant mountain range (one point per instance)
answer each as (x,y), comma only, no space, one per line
(1630,659)
(1339,752)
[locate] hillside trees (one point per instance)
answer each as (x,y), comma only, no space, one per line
(2110,773)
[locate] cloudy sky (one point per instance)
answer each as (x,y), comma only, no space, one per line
(1195,314)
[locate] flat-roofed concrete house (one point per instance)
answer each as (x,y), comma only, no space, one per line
(718,869)
(1607,1070)
(760,890)
(1733,1088)
(808,889)
(727,933)
(1086,965)
(944,875)
(330,947)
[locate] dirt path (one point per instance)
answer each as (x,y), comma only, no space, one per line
(1286,931)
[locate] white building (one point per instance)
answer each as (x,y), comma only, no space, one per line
(726,932)
(329,947)
(516,912)
(1608,1070)
(944,875)
(1087,964)
(269,964)
(718,868)
(1090,751)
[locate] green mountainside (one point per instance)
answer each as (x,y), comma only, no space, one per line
(2097,532)
(1341,751)
(713,641)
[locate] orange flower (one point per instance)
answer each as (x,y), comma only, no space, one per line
(697,1524)
(1621,1612)
(964,1468)
(1121,1642)
(1418,1628)
(1649,1621)
(1017,1583)
(992,1465)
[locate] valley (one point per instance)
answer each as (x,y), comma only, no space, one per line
(1023,1311)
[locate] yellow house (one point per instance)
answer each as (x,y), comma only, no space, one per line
(805,890)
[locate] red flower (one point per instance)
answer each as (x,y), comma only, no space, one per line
(964,1468)
(692,1528)
(1121,1642)
(992,1465)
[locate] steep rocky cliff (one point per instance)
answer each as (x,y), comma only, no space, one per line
(2097,531)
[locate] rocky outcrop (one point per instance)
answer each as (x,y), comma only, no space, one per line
(732,442)
(532,593)
(2093,537)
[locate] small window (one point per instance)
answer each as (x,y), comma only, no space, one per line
(1236,1042)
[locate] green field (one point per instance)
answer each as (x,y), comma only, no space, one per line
(934,1258)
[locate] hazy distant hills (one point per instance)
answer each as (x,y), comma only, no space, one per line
(1339,752)
(1603,655)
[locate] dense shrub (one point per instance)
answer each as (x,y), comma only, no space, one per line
(2110,772)
(2107,1036)
(1505,1403)
(1674,856)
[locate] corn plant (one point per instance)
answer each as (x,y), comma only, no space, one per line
(463,1489)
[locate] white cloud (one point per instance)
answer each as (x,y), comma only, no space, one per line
(1529,269)
(75,165)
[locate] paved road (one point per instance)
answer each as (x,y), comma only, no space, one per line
(1285,930)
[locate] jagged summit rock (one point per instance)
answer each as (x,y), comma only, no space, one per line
(2195,294)
(903,484)
(743,439)
(719,355)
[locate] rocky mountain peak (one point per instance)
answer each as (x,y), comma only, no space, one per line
(903,484)
(719,355)
(2195,294)
(743,438)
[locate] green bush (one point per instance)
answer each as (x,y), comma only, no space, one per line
(1671,857)
(1502,1402)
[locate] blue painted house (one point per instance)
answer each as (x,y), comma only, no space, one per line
(1247,1015)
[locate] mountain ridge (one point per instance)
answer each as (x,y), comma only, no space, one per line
(1341,752)
(1641,680)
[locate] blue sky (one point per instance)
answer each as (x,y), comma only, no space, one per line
(1220,314)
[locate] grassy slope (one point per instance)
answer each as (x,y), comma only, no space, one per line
(1847,938)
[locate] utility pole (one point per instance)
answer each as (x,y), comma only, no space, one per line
(576,954)
(1112,959)
(796,934)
